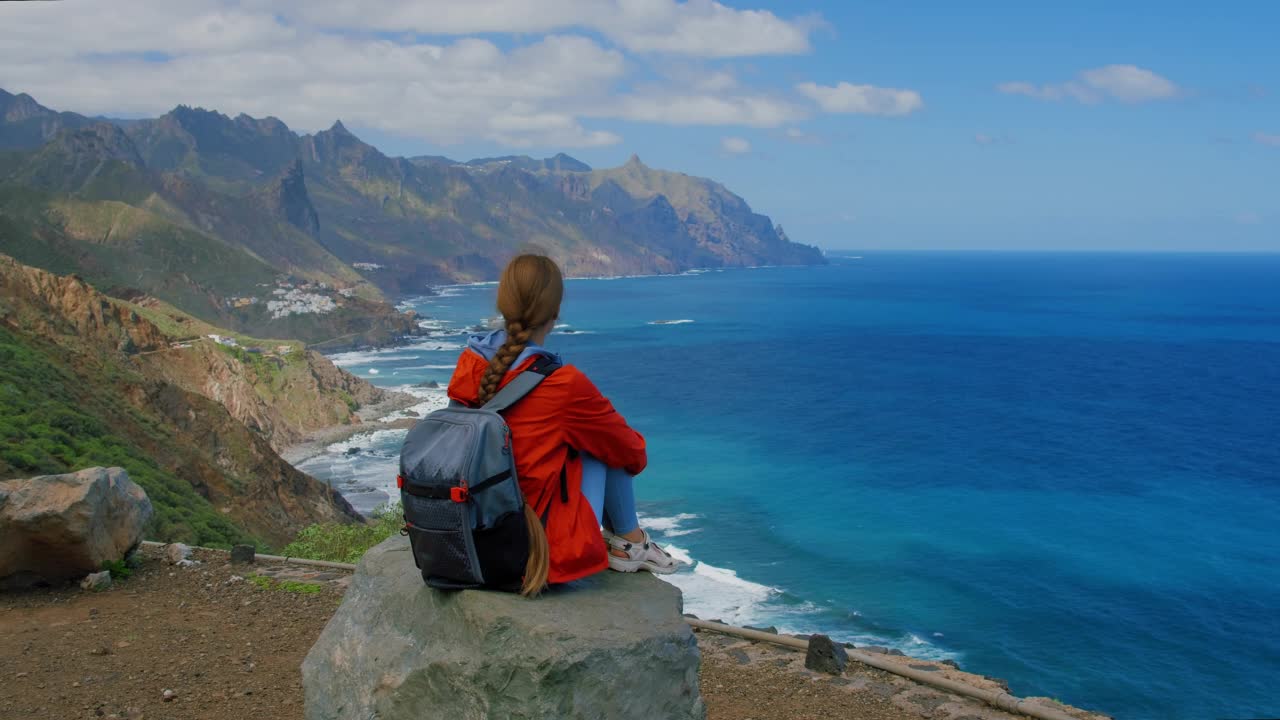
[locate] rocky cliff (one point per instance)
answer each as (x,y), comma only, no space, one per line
(89,379)
(233,203)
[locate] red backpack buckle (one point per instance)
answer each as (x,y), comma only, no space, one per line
(459,494)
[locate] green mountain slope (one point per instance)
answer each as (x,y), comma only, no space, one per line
(90,380)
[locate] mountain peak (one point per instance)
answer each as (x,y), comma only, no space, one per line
(561,162)
(16,108)
(187,112)
(338,127)
(634,161)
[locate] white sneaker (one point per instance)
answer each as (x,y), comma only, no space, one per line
(643,555)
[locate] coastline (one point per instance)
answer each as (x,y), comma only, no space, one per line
(372,418)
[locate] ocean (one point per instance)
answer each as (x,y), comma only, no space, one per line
(1058,469)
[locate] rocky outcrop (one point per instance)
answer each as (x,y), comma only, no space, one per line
(55,528)
(287,198)
(53,305)
(281,398)
(610,646)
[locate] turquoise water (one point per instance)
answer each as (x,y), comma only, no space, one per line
(1062,470)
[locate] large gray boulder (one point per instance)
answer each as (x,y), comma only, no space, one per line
(609,646)
(55,528)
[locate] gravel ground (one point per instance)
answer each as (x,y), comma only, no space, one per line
(227,644)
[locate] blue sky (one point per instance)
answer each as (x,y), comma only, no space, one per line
(996,125)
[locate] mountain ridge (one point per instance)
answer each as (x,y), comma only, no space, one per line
(326,210)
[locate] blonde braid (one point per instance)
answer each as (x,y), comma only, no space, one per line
(517,341)
(529,295)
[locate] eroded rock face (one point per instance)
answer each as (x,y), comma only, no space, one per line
(55,528)
(612,645)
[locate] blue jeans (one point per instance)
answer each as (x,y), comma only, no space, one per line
(611,495)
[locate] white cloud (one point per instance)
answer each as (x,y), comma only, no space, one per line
(709,29)
(801,137)
(311,62)
(469,88)
(1122,83)
(701,28)
(862,99)
(735,145)
(654,105)
(1267,139)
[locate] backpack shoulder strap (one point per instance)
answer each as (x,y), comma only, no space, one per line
(523,384)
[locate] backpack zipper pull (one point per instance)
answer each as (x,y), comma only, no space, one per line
(506,441)
(459,494)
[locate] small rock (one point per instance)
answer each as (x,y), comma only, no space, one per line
(176,553)
(884,690)
(187,563)
(1004,684)
(96,581)
(741,656)
(233,579)
(353,451)
(950,662)
(168,695)
(825,656)
(928,702)
(895,651)
(100,650)
(242,554)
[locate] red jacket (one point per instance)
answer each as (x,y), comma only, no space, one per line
(566,412)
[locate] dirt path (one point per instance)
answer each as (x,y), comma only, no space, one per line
(228,642)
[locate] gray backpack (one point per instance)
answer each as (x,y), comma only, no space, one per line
(463,508)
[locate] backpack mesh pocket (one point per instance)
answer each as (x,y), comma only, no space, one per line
(440,533)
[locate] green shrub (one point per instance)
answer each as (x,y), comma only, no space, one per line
(301,588)
(119,569)
(346,543)
(263,582)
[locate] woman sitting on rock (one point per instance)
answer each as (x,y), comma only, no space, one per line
(575,455)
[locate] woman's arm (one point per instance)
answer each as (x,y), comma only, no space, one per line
(594,427)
